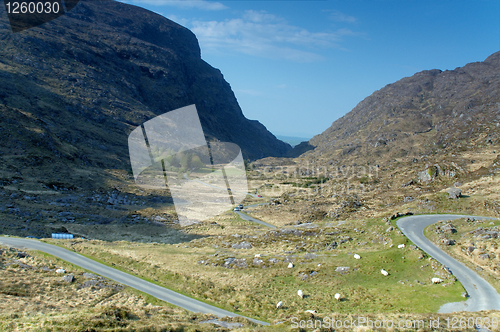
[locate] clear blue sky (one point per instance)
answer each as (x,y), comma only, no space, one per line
(297,66)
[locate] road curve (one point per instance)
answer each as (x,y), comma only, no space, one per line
(482,295)
(159,292)
(246,217)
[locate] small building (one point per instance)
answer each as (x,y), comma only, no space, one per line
(62,236)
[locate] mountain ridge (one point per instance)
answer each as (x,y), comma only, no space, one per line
(443,105)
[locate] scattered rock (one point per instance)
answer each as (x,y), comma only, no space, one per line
(310,256)
(240,262)
(22,254)
(342,269)
(257,261)
(68,278)
(449,228)
(448,242)
(484,256)
(223,324)
(389,229)
(454,193)
(242,245)
(470,250)
(91,283)
(409,183)
(87,275)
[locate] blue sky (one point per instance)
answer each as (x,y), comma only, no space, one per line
(297,66)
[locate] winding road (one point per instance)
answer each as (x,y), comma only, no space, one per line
(159,292)
(246,217)
(482,295)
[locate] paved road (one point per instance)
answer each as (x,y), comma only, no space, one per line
(122,277)
(246,217)
(482,295)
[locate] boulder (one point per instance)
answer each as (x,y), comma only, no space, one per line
(242,245)
(342,269)
(240,262)
(484,256)
(257,261)
(87,275)
(454,193)
(69,278)
(424,176)
(389,229)
(22,254)
(449,228)
(448,242)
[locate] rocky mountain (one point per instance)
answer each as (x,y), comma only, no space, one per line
(75,87)
(421,114)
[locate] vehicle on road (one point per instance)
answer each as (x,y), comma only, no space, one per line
(236,209)
(240,206)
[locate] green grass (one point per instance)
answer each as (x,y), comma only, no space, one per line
(147,273)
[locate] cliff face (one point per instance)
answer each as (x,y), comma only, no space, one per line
(72,90)
(426,112)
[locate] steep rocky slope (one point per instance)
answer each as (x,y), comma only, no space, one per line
(428,111)
(73,89)
(86,79)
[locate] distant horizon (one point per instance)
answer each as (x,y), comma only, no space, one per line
(300,65)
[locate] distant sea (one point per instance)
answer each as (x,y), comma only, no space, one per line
(292,140)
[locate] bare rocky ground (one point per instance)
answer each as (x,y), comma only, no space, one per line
(38,292)
(474,242)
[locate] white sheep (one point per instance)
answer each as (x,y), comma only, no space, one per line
(401,246)
(311,311)
(290,265)
(357,256)
(436,280)
(60,271)
(337,297)
(384,272)
(257,255)
(279,305)
(300,293)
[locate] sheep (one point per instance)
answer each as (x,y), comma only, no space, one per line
(290,265)
(311,311)
(337,297)
(401,246)
(257,256)
(60,271)
(299,293)
(384,272)
(357,256)
(436,280)
(279,305)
